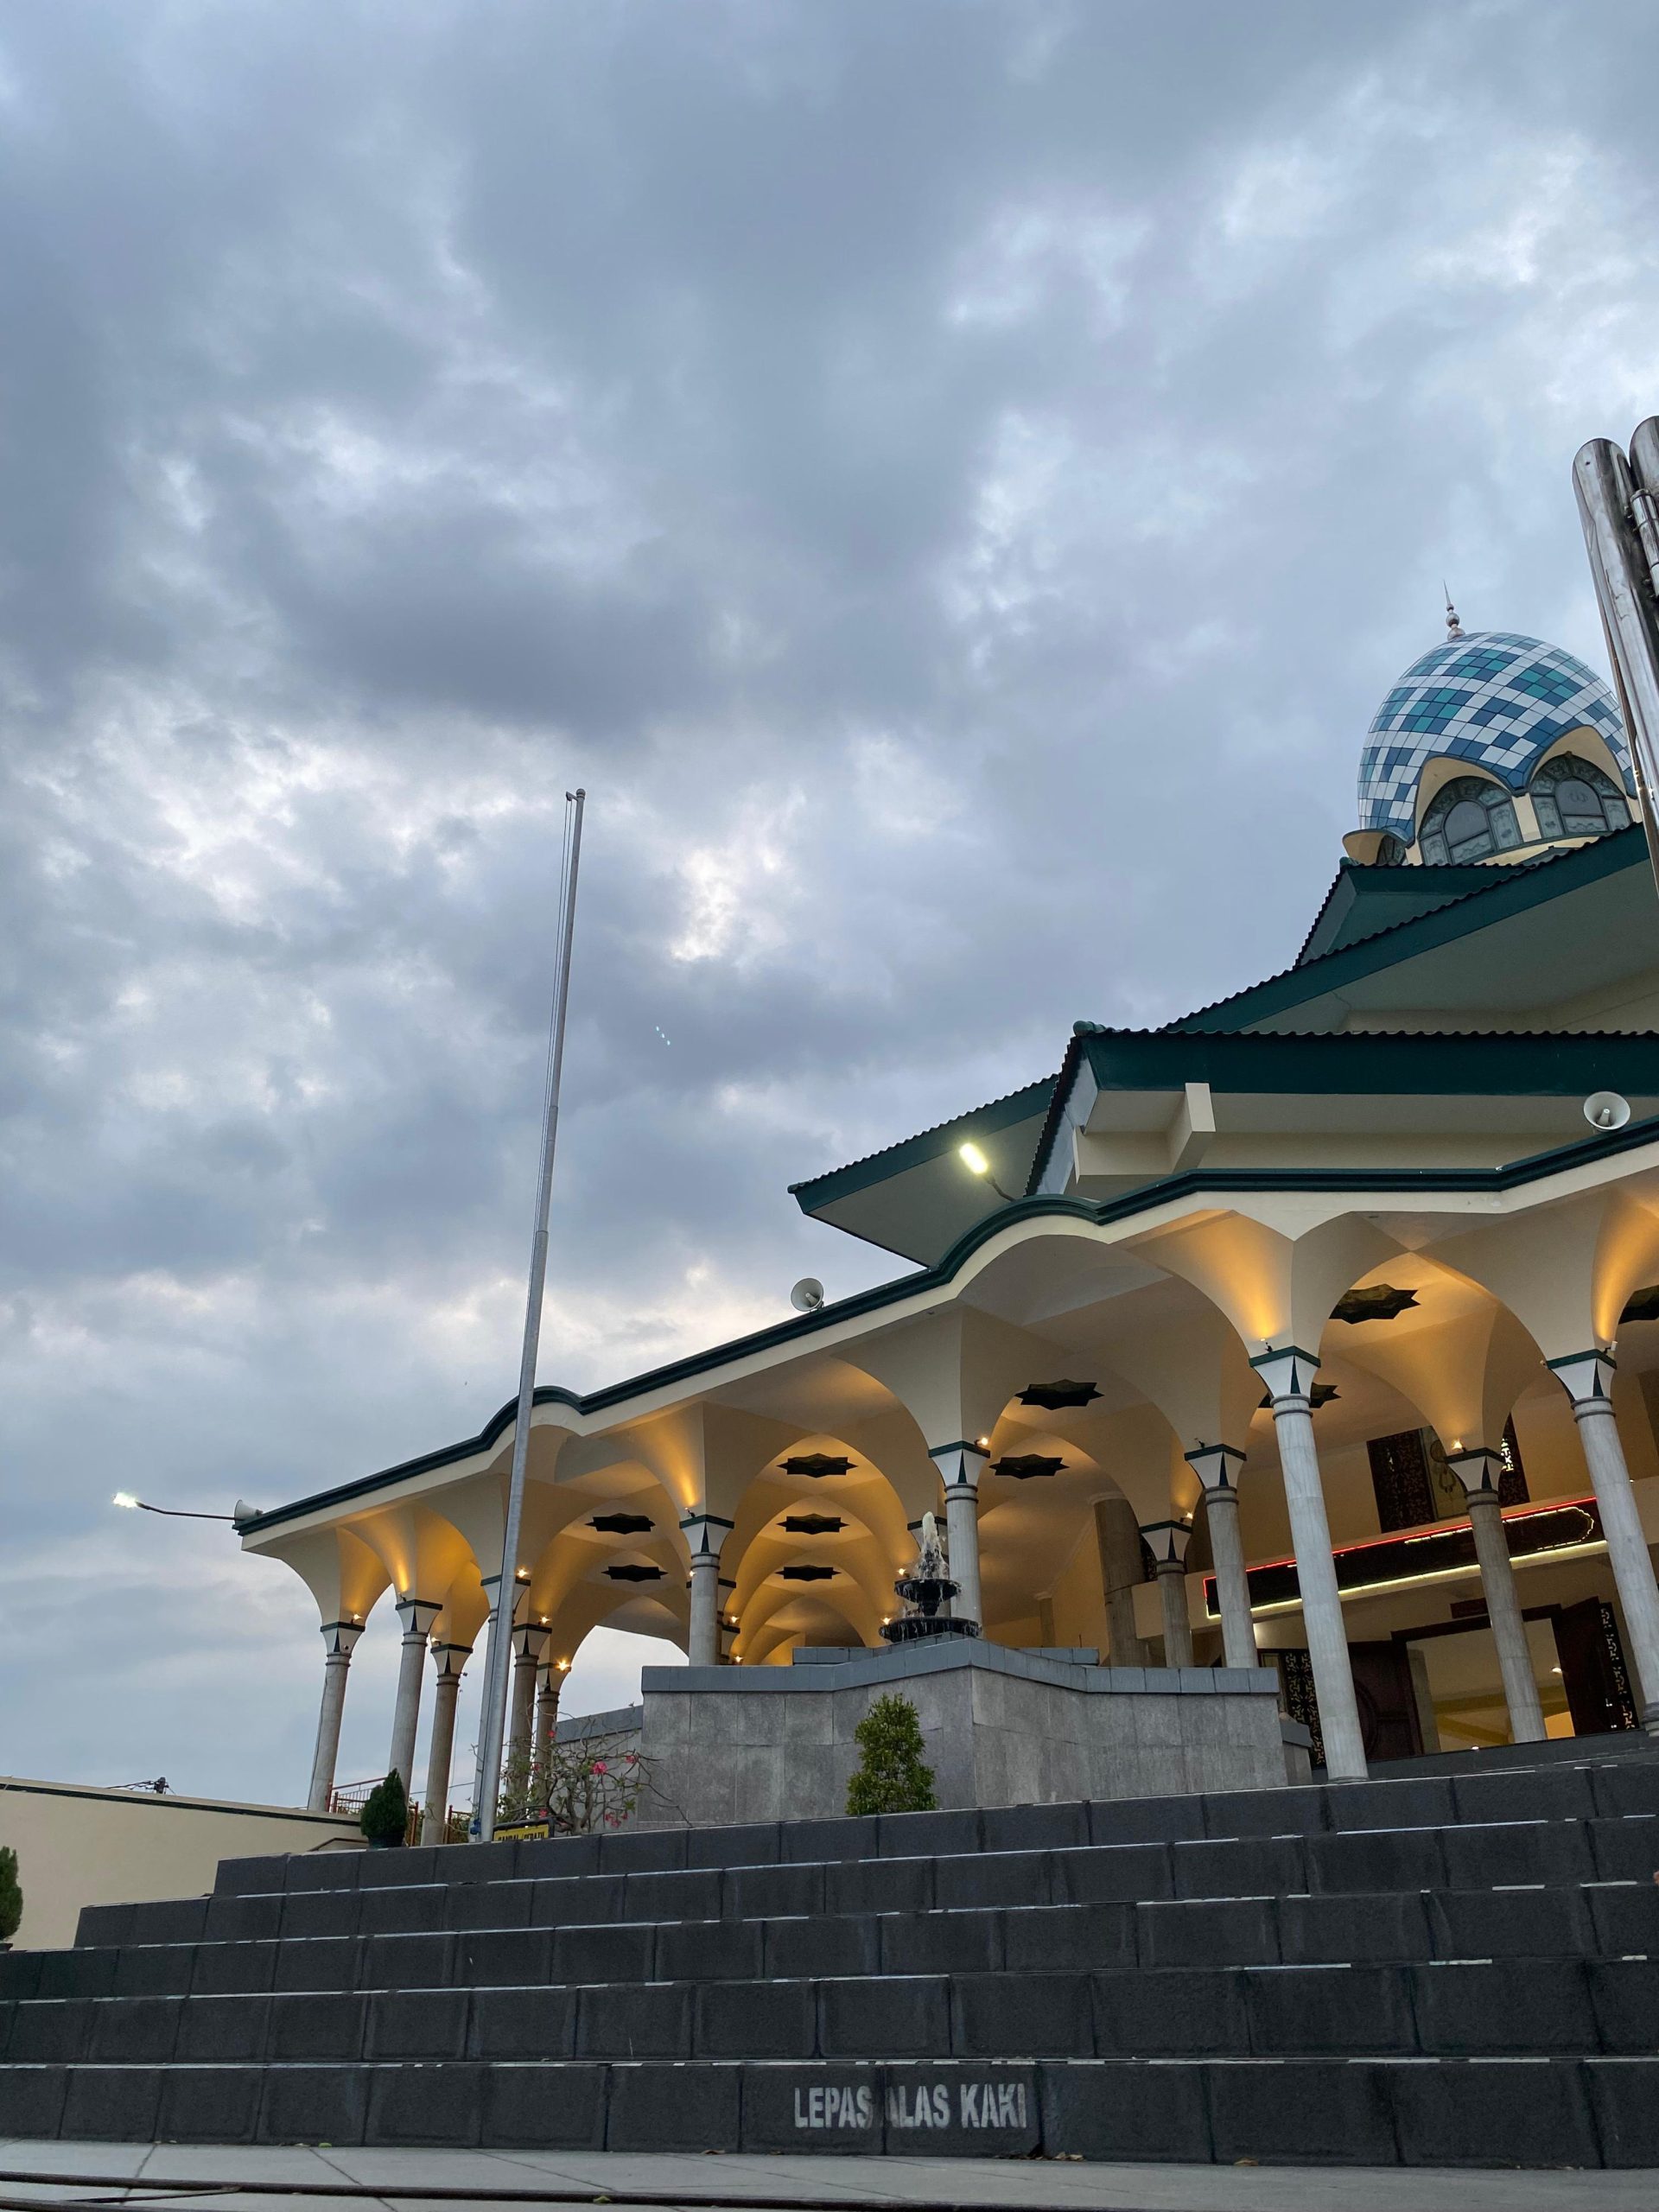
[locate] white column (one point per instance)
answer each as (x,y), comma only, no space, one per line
(1288,1376)
(528,1642)
(448,1659)
(417,1616)
(960,1466)
(1218,1467)
(1587,1379)
(704,1535)
(340,1641)
(1167,1541)
(1117,1540)
(1478,1470)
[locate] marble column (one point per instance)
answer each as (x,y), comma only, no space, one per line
(528,1642)
(1587,1378)
(448,1659)
(417,1615)
(960,1466)
(1167,1541)
(1117,1540)
(704,1533)
(1218,1467)
(547,1724)
(1478,1470)
(1288,1376)
(339,1641)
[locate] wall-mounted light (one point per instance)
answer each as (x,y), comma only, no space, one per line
(976,1164)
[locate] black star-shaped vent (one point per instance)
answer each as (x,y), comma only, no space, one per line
(1643,1305)
(1026,1467)
(620,1524)
(1381,1301)
(635,1574)
(805,1574)
(815,1464)
(814,1524)
(1320,1395)
(1053,1395)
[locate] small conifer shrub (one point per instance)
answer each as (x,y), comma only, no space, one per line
(891,1777)
(385,1818)
(11,1897)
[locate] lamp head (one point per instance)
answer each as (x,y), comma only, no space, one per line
(973,1158)
(126,1498)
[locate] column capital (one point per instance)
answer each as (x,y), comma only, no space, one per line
(1167,1541)
(704,1533)
(1288,1375)
(1586,1376)
(339,1637)
(417,1615)
(491,1584)
(960,1465)
(529,1638)
(1217,1466)
(449,1659)
(1478,1470)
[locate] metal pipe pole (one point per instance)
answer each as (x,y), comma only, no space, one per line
(493,1721)
(1606,489)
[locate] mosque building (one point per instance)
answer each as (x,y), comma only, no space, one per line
(1314,1330)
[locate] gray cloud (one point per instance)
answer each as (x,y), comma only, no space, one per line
(954,483)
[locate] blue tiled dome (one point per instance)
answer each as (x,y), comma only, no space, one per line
(1499,701)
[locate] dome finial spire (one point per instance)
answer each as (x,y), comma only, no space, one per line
(1454,627)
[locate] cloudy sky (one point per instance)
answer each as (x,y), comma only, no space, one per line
(952,480)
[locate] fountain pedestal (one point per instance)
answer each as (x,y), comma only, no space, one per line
(742,1745)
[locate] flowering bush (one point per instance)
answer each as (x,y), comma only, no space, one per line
(577,1787)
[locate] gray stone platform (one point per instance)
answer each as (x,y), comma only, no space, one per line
(999,1728)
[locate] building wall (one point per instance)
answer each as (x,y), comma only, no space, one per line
(78,1846)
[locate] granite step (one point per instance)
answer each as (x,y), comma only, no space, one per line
(1610,1919)
(1553,1851)
(1449,2008)
(1584,2111)
(1602,1789)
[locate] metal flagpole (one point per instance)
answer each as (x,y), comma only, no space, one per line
(493,1721)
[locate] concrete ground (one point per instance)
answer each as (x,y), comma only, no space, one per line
(396,2179)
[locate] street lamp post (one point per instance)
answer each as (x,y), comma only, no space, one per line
(173,1512)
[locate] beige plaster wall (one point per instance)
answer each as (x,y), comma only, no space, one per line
(77,1846)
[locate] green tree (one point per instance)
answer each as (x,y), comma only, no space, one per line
(385,1818)
(11,1898)
(891,1777)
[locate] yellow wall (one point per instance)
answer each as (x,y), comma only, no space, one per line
(77,1846)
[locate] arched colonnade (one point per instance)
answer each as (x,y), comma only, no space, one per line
(1077,1391)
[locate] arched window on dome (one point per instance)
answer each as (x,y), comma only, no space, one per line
(1469,819)
(1572,798)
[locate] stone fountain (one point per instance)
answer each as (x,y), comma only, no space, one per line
(923,1590)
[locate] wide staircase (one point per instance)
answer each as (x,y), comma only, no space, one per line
(1433,1971)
